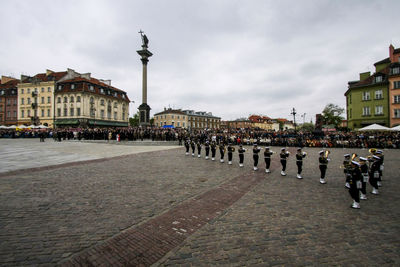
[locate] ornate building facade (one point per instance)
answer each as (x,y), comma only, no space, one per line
(186,119)
(8,101)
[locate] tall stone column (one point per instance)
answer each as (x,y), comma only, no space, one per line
(144,108)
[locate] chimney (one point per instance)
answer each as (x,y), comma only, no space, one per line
(364,75)
(391,53)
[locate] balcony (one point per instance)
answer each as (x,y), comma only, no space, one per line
(34,105)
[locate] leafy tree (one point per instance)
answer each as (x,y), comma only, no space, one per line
(332,115)
(307,126)
(134,121)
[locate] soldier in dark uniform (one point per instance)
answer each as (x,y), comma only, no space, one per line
(379,153)
(231,149)
(241,151)
(283,155)
(365,176)
(222,151)
(299,162)
(267,158)
(193,145)
(198,149)
(323,165)
(207,147)
(374,174)
(346,169)
(213,150)
(355,184)
(256,150)
(187,146)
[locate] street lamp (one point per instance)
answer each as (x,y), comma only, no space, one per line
(133,110)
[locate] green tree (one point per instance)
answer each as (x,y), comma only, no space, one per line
(134,121)
(307,126)
(332,115)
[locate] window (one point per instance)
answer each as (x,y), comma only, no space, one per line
(65,112)
(8,114)
(48,99)
(123,115)
(22,113)
(102,90)
(36,90)
(59,112)
(396,99)
(29,112)
(15,102)
(42,112)
(71,99)
(396,70)
(48,89)
(22,91)
(350,114)
(378,79)
(378,94)
(172,116)
(29,101)
(78,111)
(396,85)
(366,111)
(28,90)
(366,96)
(65,99)
(8,102)
(91,100)
(183,124)
(115,105)
(123,96)
(22,101)
(78,98)
(378,110)
(102,102)
(397,113)
(72,86)
(59,87)
(42,100)
(42,90)
(71,111)
(102,113)
(91,88)
(58,99)
(115,115)
(178,124)
(48,113)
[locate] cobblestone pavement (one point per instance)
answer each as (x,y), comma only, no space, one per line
(30,153)
(54,216)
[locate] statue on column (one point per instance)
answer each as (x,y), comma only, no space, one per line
(145,41)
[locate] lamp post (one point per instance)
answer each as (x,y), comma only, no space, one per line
(294,119)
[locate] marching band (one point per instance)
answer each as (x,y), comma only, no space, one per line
(357,173)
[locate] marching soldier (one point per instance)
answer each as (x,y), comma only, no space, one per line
(365,176)
(355,184)
(323,165)
(256,150)
(198,149)
(283,155)
(222,151)
(213,150)
(207,147)
(187,146)
(299,162)
(267,159)
(193,145)
(379,153)
(374,174)
(346,169)
(241,151)
(231,149)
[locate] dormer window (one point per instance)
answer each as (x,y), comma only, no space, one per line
(115,94)
(59,87)
(396,70)
(72,86)
(91,88)
(102,90)
(123,96)
(378,79)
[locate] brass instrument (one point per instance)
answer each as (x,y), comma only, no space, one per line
(305,153)
(372,150)
(327,153)
(353,156)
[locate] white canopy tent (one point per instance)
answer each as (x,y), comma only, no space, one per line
(374,127)
(3,127)
(396,128)
(11,127)
(42,126)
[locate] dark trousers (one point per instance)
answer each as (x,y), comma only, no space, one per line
(199,151)
(207,151)
(222,154)
(241,158)
(187,149)
(213,153)
(373,181)
(255,158)
(193,149)
(323,168)
(283,162)
(299,166)
(230,155)
(354,192)
(267,162)
(363,188)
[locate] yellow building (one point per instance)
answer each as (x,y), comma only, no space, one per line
(36,98)
(174,117)
(187,119)
(82,101)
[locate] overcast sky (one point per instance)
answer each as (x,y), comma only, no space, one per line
(232,58)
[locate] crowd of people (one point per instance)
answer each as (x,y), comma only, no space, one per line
(351,139)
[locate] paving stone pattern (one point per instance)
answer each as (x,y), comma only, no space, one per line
(58,215)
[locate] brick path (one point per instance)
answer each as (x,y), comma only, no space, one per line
(65,214)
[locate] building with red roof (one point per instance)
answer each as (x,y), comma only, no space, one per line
(8,101)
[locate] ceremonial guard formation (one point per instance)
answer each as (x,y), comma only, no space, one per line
(357,173)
